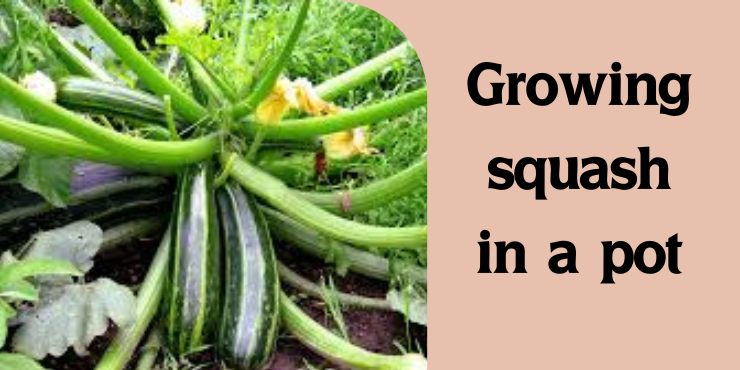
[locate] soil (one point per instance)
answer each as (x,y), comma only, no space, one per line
(376,331)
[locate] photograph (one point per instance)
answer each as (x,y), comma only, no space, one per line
(211,184)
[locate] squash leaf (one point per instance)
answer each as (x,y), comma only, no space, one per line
(410,302)
(77,243)
(15,361)
(72,316)
(49,176)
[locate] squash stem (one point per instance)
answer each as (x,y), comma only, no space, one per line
(345,82)
(142,150)
(309,128)
(267,81)
(277,194)
(241,43)
(356,260)
(306,286)
(324,342)
(170,118)
(149,296)
(150,351)
(55,142)
(374,195)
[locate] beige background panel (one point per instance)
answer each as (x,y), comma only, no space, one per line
(542,320)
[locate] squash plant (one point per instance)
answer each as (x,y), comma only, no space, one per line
(215,273)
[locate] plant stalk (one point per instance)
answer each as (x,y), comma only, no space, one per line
(267,81)
(241,44)
(356,260)
(304,285)
(127,339)
(374,195)
(324,342)
(345,82)
(141,150)
(277,194)
(309,128)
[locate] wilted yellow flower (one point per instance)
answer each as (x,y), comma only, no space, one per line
(339,145)
(40,85)
(188,15)
(347,144)
(271,110)
(306,99)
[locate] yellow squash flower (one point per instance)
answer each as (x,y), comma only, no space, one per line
(271,110)
(347,144)
(339,145)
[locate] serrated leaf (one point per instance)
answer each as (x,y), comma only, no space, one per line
(48,176)
(77,243)
(14,361)
(72,316)
(410,303)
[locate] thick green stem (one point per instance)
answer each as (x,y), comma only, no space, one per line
(241,42)
(362,262)
(283,198)
(309,128)
(374,195)
(150,351)
(267,81)
(306,286)
(324,342)
(55,142)
(129,232)
(127,339)
(76,61)
(152,77)
(345,82)
(141,150)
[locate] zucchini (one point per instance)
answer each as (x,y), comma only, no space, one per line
(102,194)
(195,286)
(91,96)
(249,322)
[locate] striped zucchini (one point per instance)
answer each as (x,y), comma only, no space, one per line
(193,298)
(249,323)
(91,96)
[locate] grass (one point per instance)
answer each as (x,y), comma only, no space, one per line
(339,36)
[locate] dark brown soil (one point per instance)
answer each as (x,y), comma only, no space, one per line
(374,330)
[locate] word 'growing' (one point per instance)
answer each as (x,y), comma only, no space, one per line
(583,86)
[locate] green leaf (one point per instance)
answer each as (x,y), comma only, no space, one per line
(411,303)
(72,316)
(13,361)
(20,290)
(24,269)
(76,243)
(3,329)
(48,176)
(6,309)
